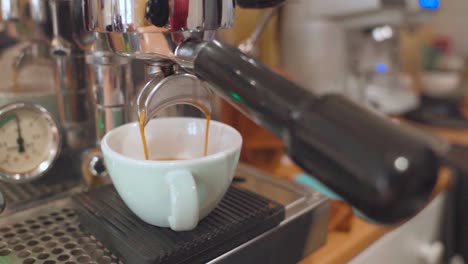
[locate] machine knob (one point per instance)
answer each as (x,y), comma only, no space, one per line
(157,12)
(93,168)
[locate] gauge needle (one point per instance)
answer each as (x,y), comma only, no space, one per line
(20,139)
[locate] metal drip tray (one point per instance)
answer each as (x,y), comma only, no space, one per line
(47,235)
(49,231)
(54,185)
(21,195)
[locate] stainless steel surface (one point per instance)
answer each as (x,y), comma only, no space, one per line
(26,19)
(112,90)
(154,30)
(150,29)
(59,46)
(53,149)
(56,27)
(297,200)
(174,90)
(20,197)
(71,82)
(92,97)
(187,53)
(33,52)
(49,234)
(155,69)
(156,16)
(71,77)
(249,46)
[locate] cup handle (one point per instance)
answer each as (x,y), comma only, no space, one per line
(184,200)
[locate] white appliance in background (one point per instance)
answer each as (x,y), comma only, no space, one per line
(317,39)
(415,242)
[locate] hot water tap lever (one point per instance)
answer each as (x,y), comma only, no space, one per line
(377,166)
(249,45)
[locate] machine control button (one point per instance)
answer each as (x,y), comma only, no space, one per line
(157,12)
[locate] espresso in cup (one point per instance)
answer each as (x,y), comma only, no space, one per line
(183,182)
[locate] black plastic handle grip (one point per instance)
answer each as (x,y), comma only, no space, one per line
(371,162)
(379,168)
(259,3)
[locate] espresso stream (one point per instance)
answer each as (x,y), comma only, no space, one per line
(142,117)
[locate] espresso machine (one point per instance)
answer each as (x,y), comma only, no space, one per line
(93,43)
(46,214)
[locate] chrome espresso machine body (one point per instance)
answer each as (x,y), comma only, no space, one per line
(46,116)
(62,89)
(96,88)
(37,24)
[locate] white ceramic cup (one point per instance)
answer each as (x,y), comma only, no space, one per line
(175,194)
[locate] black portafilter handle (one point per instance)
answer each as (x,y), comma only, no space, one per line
(259,3)
(385,172)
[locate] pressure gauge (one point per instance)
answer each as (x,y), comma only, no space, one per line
(29,142)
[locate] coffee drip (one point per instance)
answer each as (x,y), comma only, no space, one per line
(142,134)
(144,142)
(177,89)
(201,107)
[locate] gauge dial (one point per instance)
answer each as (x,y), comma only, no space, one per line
(29,142)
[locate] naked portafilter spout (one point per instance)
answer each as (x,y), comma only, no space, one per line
(384,170)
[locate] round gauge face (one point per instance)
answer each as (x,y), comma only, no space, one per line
(29,142)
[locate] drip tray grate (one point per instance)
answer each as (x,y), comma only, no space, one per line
(18,194)
(240,216)
(51,235)
(52,185)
